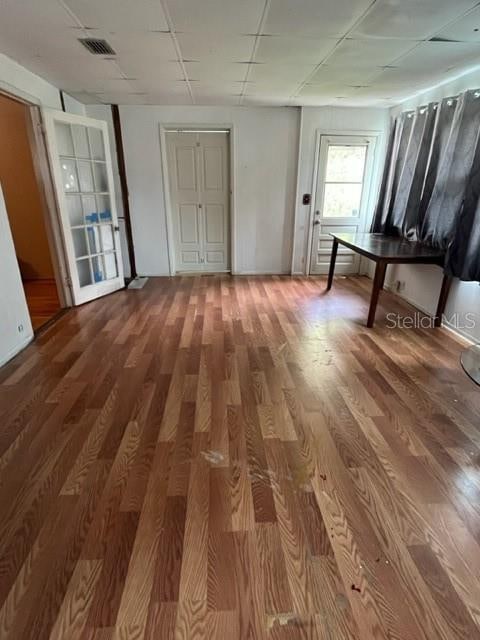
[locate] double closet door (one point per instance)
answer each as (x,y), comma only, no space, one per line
(198,168)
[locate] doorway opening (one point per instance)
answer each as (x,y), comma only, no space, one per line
(198,163)
(26,212)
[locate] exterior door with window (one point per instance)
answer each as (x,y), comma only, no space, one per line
(82,170)
(343,184)
(198,169)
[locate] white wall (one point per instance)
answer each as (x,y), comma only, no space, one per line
(330,120)
(265,144)
(15,326)
(422,283)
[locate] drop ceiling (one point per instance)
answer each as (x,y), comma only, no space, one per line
(244,52)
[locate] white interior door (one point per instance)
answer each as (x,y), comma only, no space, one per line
(198,168)
(80,158)
(341,196)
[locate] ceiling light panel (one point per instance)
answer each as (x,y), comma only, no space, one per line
(410,18)
(216,16)
(314,18)
(119,15)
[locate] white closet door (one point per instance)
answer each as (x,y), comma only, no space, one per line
(82,169)
(215,199)
(199,197)
(184,187)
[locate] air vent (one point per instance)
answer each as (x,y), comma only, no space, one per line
(97,47)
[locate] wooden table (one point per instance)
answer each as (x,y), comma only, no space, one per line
(385,250)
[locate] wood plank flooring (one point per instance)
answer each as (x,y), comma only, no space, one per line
(239,458)
(42,300)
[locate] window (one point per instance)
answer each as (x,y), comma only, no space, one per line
(344,177)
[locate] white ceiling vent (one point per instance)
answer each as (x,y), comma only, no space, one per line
(97,47)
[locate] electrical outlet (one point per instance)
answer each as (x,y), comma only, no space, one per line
(20,328)
(399,286)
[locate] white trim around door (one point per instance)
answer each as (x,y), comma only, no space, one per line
(323,139)
(170,227)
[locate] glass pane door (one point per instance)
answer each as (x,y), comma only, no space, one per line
(82,168)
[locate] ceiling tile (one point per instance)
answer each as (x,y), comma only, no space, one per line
(265,101)
(347,76)
(410,18)
(119,15)
(284,90)
(212,16)
(314,18)
(274,73)
(328,90)
(438,57)
(215,47)
(291,50)
(142,43)
(216,72)
(466,29)
(359,54)
(155,70)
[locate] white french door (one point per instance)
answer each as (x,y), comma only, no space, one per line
(341,196)
(198,169)
(80,158)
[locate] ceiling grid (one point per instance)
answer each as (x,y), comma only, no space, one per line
(250,53)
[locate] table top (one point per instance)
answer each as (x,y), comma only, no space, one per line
(378,246)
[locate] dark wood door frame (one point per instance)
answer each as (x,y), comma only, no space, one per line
(117,128)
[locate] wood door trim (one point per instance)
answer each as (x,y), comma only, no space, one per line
(122,172)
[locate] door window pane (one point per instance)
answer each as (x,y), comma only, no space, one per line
(64,139)
(89,209)
(85,176)
(83,270)
(101,182)
(98,269)
(345,163)
(69,174)
(106,233)
(75,212)
(80,141)
(79,242)
(93,235)
(342,200)
(103,208)
(96,143)
(111,270)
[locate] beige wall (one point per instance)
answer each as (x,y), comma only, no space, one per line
(21,192)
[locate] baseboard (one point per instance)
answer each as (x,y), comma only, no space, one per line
(261,273)
(445,325)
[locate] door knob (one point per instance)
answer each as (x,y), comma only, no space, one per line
(116,228)
(316,222)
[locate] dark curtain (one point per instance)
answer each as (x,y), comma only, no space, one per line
(431,184)
(408,154)
(456,148)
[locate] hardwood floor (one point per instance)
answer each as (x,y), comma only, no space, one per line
(42,300)
(232,458)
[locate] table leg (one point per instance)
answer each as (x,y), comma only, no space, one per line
(332,264)
(378,281)
(442,299)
